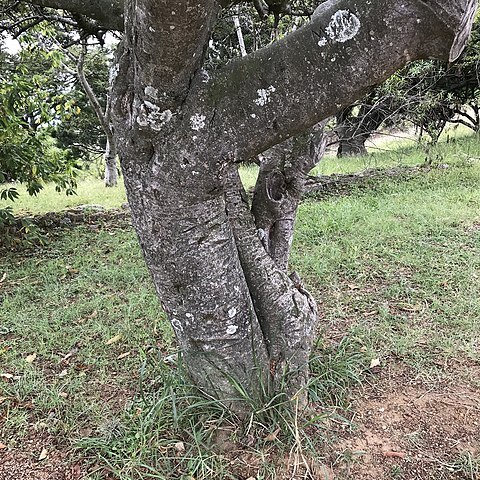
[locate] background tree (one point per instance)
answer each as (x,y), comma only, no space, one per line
(87,134)
(30,104)
(427,94)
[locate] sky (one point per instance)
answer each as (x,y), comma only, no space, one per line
(12,45)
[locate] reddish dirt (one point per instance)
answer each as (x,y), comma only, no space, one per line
(405,429)
(19,464)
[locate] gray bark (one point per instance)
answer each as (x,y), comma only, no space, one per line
(109,13)
(236,314)
(238,317)
(280,187)
(110,161)
(110,156)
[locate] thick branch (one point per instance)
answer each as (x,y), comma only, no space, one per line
(286,312)
(109,13)
(280,187)
(328,64)
(169,50)
(101,115)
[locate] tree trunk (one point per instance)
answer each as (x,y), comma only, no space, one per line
(245,328)
(110,155)
(110,161)
(351,144)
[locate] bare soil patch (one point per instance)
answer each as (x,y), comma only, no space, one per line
(27,462)
(406,429)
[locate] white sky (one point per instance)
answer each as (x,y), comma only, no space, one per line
(12,45)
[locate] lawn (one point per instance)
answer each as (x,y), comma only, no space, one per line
(91,385)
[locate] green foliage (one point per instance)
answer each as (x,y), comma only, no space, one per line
(18,232)
(31,101)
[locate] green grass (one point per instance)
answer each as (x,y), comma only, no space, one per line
(82,290)
(396,270)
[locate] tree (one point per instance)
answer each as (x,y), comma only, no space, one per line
(427,94)
(241,322)
(30,102)
(60,32)
(101,113)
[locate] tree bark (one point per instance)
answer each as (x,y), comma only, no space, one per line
(280,187)
(110,155)
(110,161)
(241,322)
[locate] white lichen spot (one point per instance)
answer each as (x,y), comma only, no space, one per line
(231,329)
(205,76)
(197,121)
(264,95)
(177,325)
(232,312)
(343,26)
(322,42)
(150,115)
(151,92)
(159,119)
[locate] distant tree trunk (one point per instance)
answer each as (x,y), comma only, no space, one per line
(238,30)
(110,155)
(111,172)
(351,143)
(357,123)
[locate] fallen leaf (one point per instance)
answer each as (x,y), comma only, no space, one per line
(63,394)
(2,446)
(375,363)
(114,339)
(351,286)
(70,354)
(393,454)
(63,373)
(4,276)
(410,308)
(7,376)
(123,355)
(43,454)
(179,447)
(271,437)
(31,358)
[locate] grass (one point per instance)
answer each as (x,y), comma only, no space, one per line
(394,153)
(87,356)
